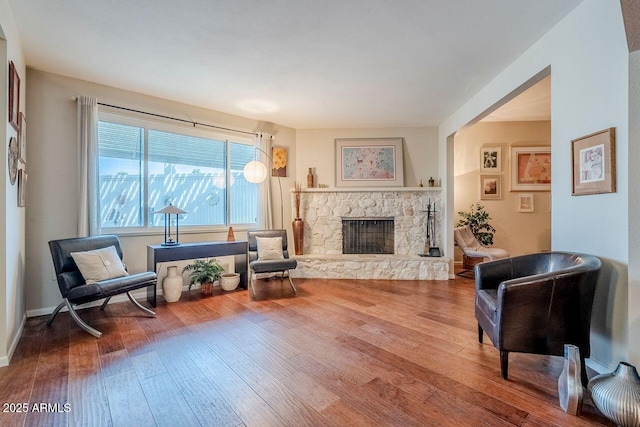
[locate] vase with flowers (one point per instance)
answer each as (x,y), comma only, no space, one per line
(298,224)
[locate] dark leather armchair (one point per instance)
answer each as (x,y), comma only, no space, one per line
(537,303)
(257,266)
(75,290)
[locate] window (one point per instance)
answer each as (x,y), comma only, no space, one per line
(143,167)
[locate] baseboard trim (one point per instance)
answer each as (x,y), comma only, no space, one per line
(118,298)
(597,366)
(5,360)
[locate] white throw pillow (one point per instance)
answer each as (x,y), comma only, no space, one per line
(269,248)
(99,264)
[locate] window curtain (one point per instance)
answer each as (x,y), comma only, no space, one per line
(265,215)
(88,215)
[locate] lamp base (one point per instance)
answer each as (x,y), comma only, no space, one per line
(169,244)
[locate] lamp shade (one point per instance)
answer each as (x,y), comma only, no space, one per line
(171,210)
(255,171)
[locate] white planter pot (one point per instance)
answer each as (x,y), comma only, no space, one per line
(229,281)
(172,284)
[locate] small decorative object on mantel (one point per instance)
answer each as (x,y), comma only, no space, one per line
(617,395)
(204,273)
(298,224)
(172,284)
(432,182)
(310,183)
(570,391)
(230,236)
(169,210)
(421,184)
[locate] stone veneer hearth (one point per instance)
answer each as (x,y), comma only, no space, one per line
(323,209)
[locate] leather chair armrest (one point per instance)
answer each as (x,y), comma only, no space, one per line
(490,274)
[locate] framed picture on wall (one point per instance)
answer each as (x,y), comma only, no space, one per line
(22,188)
(490,159)
(373,162)
(594,163)
(14,96)
(525,202)
(530,168)
(490,187)
(22,138)
(279,156)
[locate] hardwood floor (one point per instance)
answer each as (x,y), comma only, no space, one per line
(341,352)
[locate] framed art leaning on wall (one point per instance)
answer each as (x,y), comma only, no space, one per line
(369,162)
(594,163)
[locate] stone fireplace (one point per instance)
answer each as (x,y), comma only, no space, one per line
(324,209)
(402,209)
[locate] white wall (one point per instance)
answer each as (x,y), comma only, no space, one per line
(634,207)
(588,56)
(12,218)
(516,232)
(315,148)
(53,171)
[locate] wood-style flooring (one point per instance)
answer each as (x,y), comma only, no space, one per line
(340,353)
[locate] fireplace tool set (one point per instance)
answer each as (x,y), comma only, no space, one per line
(430,247)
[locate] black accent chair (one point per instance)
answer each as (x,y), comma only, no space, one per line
(75,290)
(257,266)
(537,303)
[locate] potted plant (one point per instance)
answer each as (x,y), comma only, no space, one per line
(204,273)
(478,220)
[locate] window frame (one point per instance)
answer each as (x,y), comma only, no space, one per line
(162,125)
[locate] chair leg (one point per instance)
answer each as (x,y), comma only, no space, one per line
(251,284)
(104,304)
(295,291)
(55,312)
(504,364)
(96,333)
(140,306)
(480,334)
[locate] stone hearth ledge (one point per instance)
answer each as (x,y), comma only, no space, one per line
(356,266)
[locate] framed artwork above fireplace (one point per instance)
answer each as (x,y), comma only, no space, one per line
(369,162)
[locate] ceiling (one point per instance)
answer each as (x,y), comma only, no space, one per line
(532,104)
(298,63)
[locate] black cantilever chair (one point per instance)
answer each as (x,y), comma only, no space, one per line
(75,290)
(280,263)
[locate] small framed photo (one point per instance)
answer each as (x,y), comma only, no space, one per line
(525,202)
(490,187)
(14,96)
(279,167)
(22,188)
(490,159)
(594,163)
(22,138)
(530,168)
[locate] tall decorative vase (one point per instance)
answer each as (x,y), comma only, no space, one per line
(298,235)
(172,284)
(570,391)
(310,183)
(617,395)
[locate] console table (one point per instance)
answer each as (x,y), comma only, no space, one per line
(159,253)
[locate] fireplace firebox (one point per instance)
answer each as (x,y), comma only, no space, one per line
(367,235)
